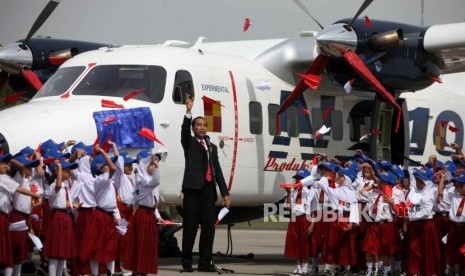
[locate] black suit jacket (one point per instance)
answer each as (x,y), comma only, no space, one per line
(197,161)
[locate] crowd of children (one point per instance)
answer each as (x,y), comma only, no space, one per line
(85,207)
(376,217)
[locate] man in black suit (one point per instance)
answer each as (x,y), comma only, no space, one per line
(201,174)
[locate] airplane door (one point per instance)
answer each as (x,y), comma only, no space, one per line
(389,145)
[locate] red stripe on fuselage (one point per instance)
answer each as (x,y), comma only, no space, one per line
(236,131)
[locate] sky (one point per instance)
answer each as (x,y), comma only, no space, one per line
(120,22)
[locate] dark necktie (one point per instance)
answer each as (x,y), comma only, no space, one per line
(208,174)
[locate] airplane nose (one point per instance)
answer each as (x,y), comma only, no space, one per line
(13,58)
(335,38)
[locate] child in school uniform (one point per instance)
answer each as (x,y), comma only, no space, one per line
(382,240)
(140,253)
(99,244)
(455,236)
(302,202)
(423,237)
(22,207)
(8,187)
(124,184)
(82,192)
(61,244)
(343,200)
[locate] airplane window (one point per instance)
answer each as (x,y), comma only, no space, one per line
(183,86)
(120,80)
(272,110)
(255,122)
(337,128)
(292,121)
(60,82)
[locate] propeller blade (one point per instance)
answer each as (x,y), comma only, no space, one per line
(362,70)
(32,78)
(303,8)
(317,67)
(43,16)
(362,8)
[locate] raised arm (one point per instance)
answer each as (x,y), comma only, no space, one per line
(111,165)
(59,179)
(186,124)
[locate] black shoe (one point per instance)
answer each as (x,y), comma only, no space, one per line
(207,268)
(187,268)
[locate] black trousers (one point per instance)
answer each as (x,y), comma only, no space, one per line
(199,208)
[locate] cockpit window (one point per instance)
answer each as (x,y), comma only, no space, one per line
(121,80)
(60,82)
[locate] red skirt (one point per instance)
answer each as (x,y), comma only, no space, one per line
(46,216)
(382,239)
(140,244)
(442,223)
(125,211)
(6,256)
(20,241)
(424,249)
(61,240)
(100,238)
(455,240)
(340,245)
(298,242)
(84,214)
(36,220)
(318,235)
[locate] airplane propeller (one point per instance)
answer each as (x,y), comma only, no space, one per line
(305,10)
(339,42)
(43,16)
(17,58)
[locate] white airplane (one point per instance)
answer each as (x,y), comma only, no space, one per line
(241,86)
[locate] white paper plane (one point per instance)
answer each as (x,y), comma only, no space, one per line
(222,214)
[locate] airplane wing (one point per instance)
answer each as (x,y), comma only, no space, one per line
(447,42)
(283,57)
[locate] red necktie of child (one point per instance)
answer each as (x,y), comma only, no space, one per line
(460,209)
(374,211)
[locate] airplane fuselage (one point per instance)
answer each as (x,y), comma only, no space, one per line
(254,159)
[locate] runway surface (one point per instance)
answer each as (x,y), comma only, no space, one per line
(267,246)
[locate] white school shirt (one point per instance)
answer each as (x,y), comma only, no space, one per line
(383,209)
(156,196)
(143,191)
(444,205)
(105,193)
(58,198)
(342,198)
(309,201)
(84,186)
(22,202)
(8,187)
(455,198)
(359,184)
(123,183)
(422,202)
(398,195)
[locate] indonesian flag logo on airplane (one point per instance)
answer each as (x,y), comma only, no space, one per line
(212,114)
(322,131)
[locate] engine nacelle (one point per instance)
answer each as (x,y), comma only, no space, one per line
(387,40)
